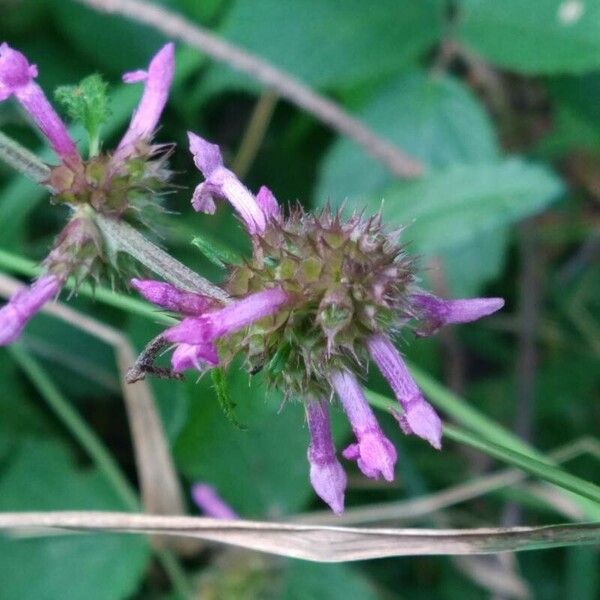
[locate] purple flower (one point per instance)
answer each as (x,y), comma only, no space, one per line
(419,416)
(268,203)
(157,82)
(437,312)
(327,475)
(194,356)
(24,305)
(17,78)
(227,320)
(374,453)
(210,503)
(171,298)
(220,182)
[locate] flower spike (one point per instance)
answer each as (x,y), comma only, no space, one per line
(419,416)
(24,305)
(17,78)
(194,356)
(220,182)
(437,312)
(157,82)
(374,453)
(327,475)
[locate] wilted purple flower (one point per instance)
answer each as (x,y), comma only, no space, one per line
(108,184)
(326,473)
(318,297)
(210,503)
(24,305)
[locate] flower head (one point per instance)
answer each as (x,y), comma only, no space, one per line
(109,184)
(320,296)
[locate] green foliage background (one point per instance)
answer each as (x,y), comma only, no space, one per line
(508,128)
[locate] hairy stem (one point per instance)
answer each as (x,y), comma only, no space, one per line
(21,159)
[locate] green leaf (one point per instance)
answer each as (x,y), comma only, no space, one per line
(42,476)
(328,43)
(327,582)
(216,253)
(548,36)
(224,397)
(261,471)
(434,119)
(453,206)
(87,103)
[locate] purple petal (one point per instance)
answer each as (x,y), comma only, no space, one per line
(419,417)
(374,453)
(17,77)
(171,298)
(135,76)
(327,475)
(24,305)
(207,156)
(437,312)
(223,183)
(156,92)
(194,356)
(230,319)
(210,503)
(268,203)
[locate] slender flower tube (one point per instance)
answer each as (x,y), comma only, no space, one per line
(194,356)
(171,298)
(220,182)
(24,305)
(419,416)
(232,318)
(210,503)
(17,78)
(157,82)
(374,453)
(327,475)
(437,312)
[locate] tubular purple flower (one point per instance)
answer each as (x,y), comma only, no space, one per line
(268,203)
(232,318)
(210,503)
(156,92)
(374,453)
(194,356)
(171,298)
(437,312)
(24,305)
(220,182)
(17,78)
(327,475)
(419,416)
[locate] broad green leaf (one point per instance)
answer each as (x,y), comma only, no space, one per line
(42,476)
(330,43)
(260,471)
(327,582)
(435,119)
(545,36)
(453,206)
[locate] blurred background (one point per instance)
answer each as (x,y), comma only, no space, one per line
(500,103)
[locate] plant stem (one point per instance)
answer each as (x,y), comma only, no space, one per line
(98,453)
(21,159)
